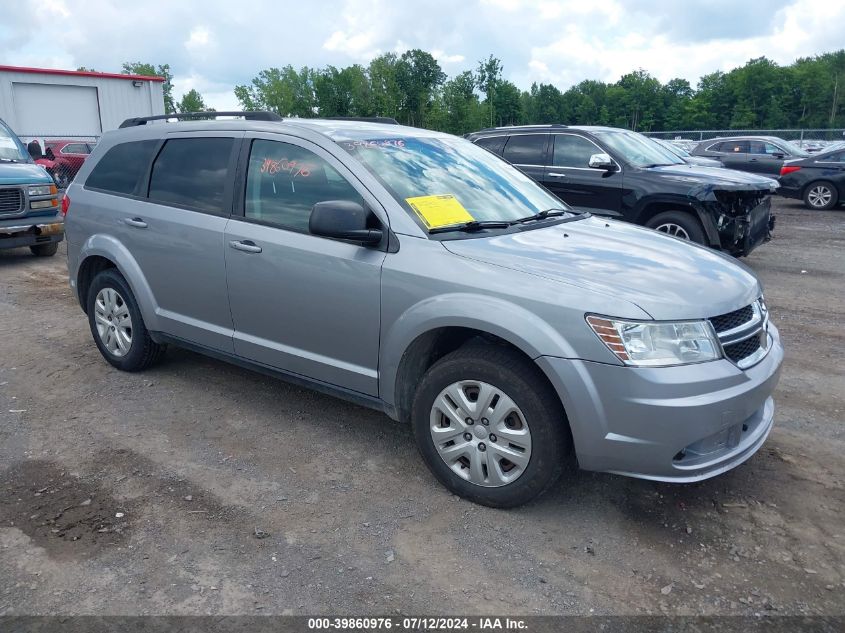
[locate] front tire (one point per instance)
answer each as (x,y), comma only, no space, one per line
(679,224)
(489,426)
(821,195)
(44,250)
(117,326)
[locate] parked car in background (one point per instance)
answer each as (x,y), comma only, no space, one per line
(758,154)
(818,180)
(415,273)
(67,156)
(29,206)
(625,175)
(685,156)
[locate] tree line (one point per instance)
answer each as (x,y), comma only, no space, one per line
(413,89)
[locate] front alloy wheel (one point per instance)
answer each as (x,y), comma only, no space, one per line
(675,230)
(480,433)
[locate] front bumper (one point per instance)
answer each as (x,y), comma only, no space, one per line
(31,230)
(742,233)
(679,424)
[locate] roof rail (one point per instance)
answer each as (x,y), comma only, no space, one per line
(368,119)
(249,115)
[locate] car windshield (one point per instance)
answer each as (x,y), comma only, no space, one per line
(636,149)
(11,148)
(675,149)
(792,148)
(488,188)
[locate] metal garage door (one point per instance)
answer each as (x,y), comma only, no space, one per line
(56,110)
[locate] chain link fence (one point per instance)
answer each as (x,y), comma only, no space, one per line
(809,139)
(62,155)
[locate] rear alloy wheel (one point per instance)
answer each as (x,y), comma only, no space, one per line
(820,195)
(489,426)
(680,224)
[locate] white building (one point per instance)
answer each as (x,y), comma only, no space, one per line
(38,102)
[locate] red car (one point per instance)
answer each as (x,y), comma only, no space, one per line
(63,158)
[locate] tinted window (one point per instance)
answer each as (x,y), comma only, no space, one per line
(122,166)
(832,158)
(492,143)
(525,149)
(573,151)
(192,172)
(75,148)
(761,147)
(285,181)
(732,147)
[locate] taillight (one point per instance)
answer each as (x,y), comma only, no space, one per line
(65,204)
(788,169)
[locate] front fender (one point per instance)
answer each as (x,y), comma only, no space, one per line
(682,203)
(510,322)
(107,246)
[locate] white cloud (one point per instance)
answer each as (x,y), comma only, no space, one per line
(557,41)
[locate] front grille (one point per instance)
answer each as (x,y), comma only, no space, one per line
(731,320)
(742,350)
(11,200)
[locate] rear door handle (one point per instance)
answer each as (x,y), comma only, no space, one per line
(138,223)
(247,246)
(554,174)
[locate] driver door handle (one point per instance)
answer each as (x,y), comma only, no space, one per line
(555,174)
(247,246)
(138,223)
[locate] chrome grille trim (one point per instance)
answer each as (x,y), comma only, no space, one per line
(12,201)
(757,326)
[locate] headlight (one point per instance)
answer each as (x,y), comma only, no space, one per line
(655,343)
(42,190)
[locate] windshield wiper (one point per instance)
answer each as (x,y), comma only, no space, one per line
(547,213)
(474,225)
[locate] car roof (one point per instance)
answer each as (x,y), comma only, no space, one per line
(547,127)
(745,138)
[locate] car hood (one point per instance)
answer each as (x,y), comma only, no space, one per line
(705,179)
(664,276)
(23,173)
(702,161)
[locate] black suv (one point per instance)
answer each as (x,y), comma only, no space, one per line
(758,154)
(622,174)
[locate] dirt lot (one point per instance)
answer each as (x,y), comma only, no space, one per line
(201,488)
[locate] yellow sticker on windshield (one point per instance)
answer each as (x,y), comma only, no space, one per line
(437,211)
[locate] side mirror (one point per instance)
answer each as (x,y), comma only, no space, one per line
(602,161)
(779,155)
(343,220)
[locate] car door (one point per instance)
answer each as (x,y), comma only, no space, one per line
(175,233)
(301,303)
(528,153)
(571,179)
(765,158)
(733,154)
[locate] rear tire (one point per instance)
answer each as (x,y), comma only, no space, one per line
(681,224)
(45,250)
(513,400)
(820,195)
(117,326)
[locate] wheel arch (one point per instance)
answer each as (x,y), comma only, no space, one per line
(651,206)
(101,252)
(422,336)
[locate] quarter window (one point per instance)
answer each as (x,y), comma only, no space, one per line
(285,181)
(120,168)
(492,143)
(192,172)
(75,148)
(573,151)
(526,149)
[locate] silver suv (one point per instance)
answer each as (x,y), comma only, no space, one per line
(418,274)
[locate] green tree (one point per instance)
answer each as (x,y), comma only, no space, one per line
(192,101)
(162,70)
(285,91)
(417,76)
(488,77)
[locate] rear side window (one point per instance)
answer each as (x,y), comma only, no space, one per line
(192,172)
(492,143)
(120,168)
(573,151)
(526,149)
(732,147)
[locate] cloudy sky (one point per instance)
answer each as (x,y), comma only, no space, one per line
(215,44)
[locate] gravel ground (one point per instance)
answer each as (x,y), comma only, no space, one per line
(201,488)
